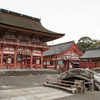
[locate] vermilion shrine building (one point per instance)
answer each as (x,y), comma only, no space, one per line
(67,56)
(64,54)
(21,40)
(92,55)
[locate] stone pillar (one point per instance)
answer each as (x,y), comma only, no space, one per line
(92,85)
(82,87)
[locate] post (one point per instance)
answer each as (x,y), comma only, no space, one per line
(95,64)
(42,60)
(81,89)
(26,62)
(1,59)
(21,60)
(15,60)
(88,64)
(31,60)
(92,85)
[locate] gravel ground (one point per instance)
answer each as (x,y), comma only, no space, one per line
(11,82)
(15,82)
(95,95)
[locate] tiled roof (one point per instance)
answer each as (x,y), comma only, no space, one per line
(91,53)
(23,21)
(59,49)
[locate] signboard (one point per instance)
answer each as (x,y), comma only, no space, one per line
(9,60)
(9,52)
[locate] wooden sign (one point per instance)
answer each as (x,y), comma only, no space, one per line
(9,60)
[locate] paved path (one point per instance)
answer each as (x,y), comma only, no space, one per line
(35,93)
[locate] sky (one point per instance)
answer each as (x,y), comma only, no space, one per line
(74,18)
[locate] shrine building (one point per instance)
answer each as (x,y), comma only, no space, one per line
(22,40)
(92,55)
(65,55)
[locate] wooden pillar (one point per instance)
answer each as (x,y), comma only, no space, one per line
(15,59)
(1,59)
(88,65)
(26,62)
(68,64)
(42,61)
(95,64)
(31,60)
(21,60)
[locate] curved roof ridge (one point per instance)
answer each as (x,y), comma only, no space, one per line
(19,14)
(96,48)
(62,43)
(59,48)
(24,22)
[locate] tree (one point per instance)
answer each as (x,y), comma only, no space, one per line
(84,43)
(85,40)
(95,43)
(44,43)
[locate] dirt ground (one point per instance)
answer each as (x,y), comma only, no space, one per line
(24,81)
(95,95)
(27,81)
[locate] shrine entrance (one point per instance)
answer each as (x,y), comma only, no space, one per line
(26,60)
(21,60)
(21,44)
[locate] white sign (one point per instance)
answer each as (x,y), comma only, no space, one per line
(10,52)
(36,54)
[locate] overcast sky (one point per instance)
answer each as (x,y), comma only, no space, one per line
(74,18)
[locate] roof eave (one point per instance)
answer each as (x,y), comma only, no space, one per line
(60,34)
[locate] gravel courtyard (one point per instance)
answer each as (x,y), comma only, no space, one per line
(24,81)
(28,81)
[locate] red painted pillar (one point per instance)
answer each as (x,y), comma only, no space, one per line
(21,60)
(26,62)
(95,64)
(42,61)
(88,65)
(15,59)
(31,60)
(1,59)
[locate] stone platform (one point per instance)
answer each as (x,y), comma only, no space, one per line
(18,72)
